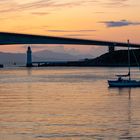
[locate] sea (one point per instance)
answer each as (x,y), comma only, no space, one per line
(67,103)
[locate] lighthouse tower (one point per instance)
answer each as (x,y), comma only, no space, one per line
(29,57)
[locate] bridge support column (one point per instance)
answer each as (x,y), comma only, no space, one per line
(111,48)
(29,57)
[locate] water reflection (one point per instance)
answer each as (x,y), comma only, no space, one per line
(29,71)
(64,104)
(126,94)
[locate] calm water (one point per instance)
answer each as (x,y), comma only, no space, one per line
(67,104)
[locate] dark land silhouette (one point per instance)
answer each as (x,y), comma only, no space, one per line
(112,59)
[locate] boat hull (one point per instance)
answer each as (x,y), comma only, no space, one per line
(124,83)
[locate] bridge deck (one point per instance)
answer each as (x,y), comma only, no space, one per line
(16,38)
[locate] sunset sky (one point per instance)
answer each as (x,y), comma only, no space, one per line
(115,20)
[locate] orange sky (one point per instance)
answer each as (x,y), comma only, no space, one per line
(115,20)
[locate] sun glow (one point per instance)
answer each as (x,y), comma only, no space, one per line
(70,18)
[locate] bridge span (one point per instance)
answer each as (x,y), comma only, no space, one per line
(17,38)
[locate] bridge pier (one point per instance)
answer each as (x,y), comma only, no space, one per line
(111,48)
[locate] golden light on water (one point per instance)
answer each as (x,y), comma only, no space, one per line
(65,103)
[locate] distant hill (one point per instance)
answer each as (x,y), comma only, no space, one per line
(11,58)
(48,55)
(116,58)
(45,55)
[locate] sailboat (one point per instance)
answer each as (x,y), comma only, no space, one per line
(127,82)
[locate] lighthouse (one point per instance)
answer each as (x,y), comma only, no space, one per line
(29,57)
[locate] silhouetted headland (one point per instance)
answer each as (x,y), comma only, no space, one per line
(111,59)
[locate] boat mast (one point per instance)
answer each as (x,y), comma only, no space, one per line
(129,72)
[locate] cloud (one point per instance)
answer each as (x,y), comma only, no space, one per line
(13,6)
(118,3)
(99,12)
(119,23)
(16,6)
(76,35)
(7,6)
(40,13)
(71,31)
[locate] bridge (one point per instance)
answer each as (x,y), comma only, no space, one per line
(16,38)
